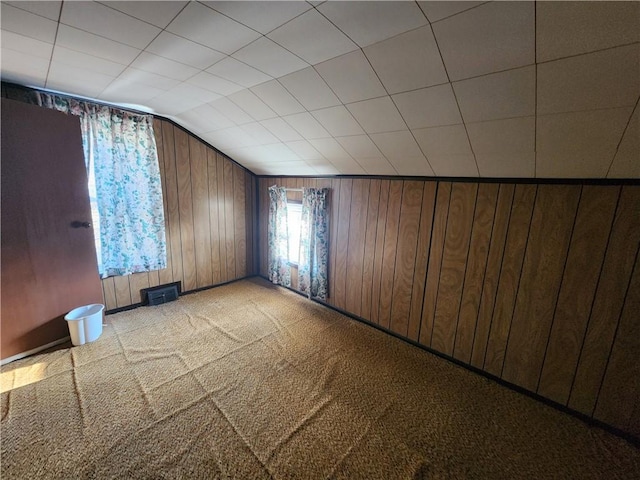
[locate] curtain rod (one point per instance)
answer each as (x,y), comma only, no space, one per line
(294,189)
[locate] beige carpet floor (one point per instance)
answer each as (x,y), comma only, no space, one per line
(251,381)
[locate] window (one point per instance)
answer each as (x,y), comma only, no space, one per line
(294,217)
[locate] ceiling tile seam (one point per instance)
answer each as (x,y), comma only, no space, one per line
(53,46)
(622,137)
(444,65)
(586,110)
(622,45)
(423,12)
(136,18)
(458,13)
(17,3)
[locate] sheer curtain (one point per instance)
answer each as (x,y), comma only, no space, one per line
(124,185)
(278,237)
(314,244)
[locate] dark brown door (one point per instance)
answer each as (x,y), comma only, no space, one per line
(48,267)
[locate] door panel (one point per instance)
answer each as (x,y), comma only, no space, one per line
(48,266)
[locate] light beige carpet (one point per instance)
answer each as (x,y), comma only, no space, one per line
(251,381)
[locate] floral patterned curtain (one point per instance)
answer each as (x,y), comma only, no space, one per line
(124,185)
(314,244)
(279,269)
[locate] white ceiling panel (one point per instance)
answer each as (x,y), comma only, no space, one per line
(81,60)
(310,89)
(351,77)
(215,84)
(261,16)
(360,146)
(376,166)
(27,24)
(606,79)
(454,165)
(626,163)
(503,136)
(159,14)
(492,37)
(75,39)
(306,125)
(408,61)
(109,23)
(28,45)
(370,22)
(232,111)
(499,95)
(184,51)
(212,29)
(260,134)
(238,72)
(147,78)
(130,92)
(377,115)
(304,150)
(281,129)
(85,82)
(313,38)
(338,121)
(269,57)
(23,68)
(207,118)
(278,98)
(347,165)
(438,10)
(49,9)
(250,103)
(578,144)
(564,29)
(163,66)
(509,165)
(402,151)
(329,148)
(429,107)
(448,140)
(176,101)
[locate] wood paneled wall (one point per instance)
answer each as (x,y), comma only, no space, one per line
(538,285)
(209,207)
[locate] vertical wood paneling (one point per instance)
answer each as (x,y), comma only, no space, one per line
(214,230)
(333,238)
(137,282)
(229,219)
(222,223)
(377,262)
(609,299)
(264,223)
(357,232)
(185,202)
(443,195)
(584,261)
(342,243)
(390,250)
(200,199)
(492,274)
(517,235)
(161,276)
(551,227)
(422,257)
(109,291)
(239,210)
(123,291)
(476,265)
(409,225)
(454,261)
(249,219)
(370,248)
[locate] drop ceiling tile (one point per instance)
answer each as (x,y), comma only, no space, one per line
(278,152)
(260,134)
(237,72)
(428,107)
(606,79)
(570,28)
(81,60)
(232,111)
(185,51)
(215,84)
(28,45)
(326,169)
(578,144)
(503,136)
(338,121)
(190,91)
(626,163)
(376,166)
(261,16)
(85,42)
(163,66)
(147,78)
(351,77)
(507,165)
(490,38)
(313,38)
(408,61)
(49,9)
(329,148)
(377,115)
(23,68)
(403,153)
(155,13)
(206,118)
(27,24)
(454,165)
(359,146)
(448,140)
(306,125)
(281,129)
(310,89)
(174,102)
(436,11)
(369,22)
(76,81)
(232,137)
(347,166)
(129,91)
(270,58)
(251,104)
(212,29)
(108,23)
(305,150)
(278,98)
(499,95)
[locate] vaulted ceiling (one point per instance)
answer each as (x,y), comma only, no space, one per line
(463,89)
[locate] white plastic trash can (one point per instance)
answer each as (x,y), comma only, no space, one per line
(85,323)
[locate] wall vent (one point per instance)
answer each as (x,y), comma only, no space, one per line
(161,294)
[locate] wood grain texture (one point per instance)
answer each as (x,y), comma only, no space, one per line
(584,262)
(454,262)
(443,195)
(550,233)
(123,291)
(383,204)
(200,199)
(214,216)
(407,246)
(357,233)
(166,274)
(519,222)
(492,274)
(109,293)
(185,202)
(222,218)
(229,212)
(239,212)
(342,243)
(390,251)
(609,299)
(334,217)
(475,270)
(370,248)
